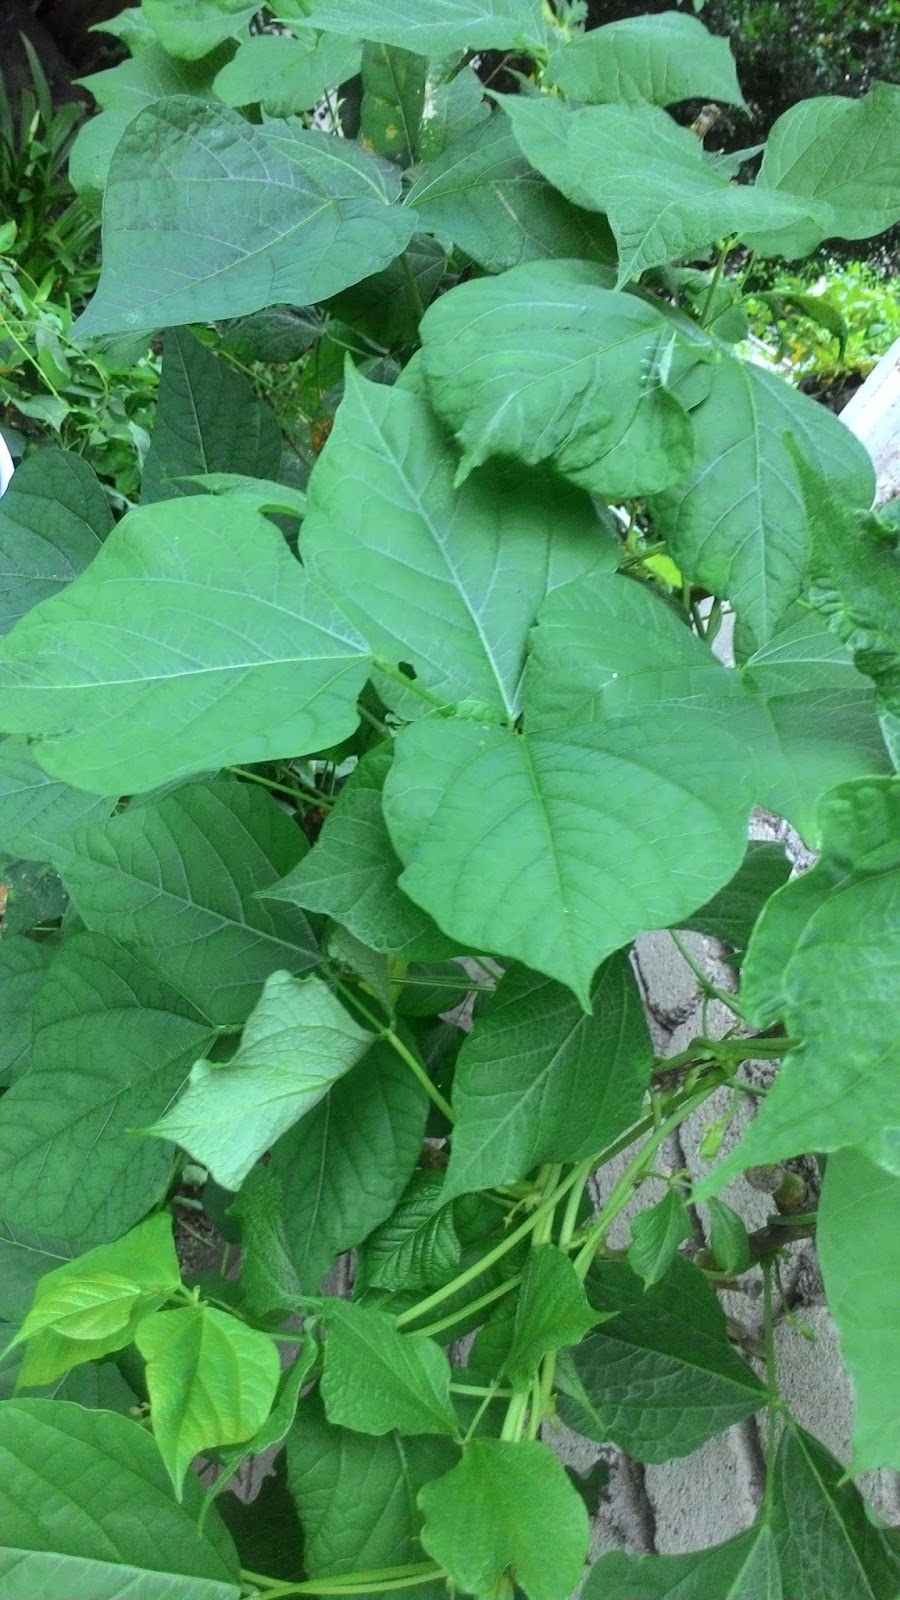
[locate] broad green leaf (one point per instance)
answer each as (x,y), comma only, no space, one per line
(112,1046)
(661,1377)
(180,879)
(822,959)
(280,1419)
(211,1381)
(88,1307)
(24,1259)
(567,854)
(384,308)
(377,1380)
(202,244)
(91,1485)
(357,1494)
(825,1540)
(539,1080)
(655,1236)
(663,199)
(23,967)
(658,59)
(546,364)
(436,27)
(483,194)
(296,1042)
(208,419)
(192,28)
(451,110)
(551,1312)
(507,1516)
(243,662)
(36,810)
(418,1246)
(728,1238)
(447,580)
(393,98)
(352,870)
(284,76)
(121,92)
(344,1167)
(730,916)
(737,524)
(52,1577)
(277,499)
(745,1568)
(53,519)
(859,1253)
(269,1283)
(130,27)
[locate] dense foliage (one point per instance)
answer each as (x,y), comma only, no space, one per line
(341,774)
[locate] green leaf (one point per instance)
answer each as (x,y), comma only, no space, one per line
(731,915)
(551,1312)
(269,1282)
(280,1419)
(296,1042)
(24,1259)
(447,580)
(23,967)
(191,28)
(201,246)
(112,1046)
(659,59)
(44,1576)
(352,870)
(211,1381)
(90,1485)
(661,1377)
(244,662)
(663,199)
(393,98)
(208,419)
(737,524)
(451,110)
(345,1166)
(859,1254)
(35,809)
(540,1080)
(547,364)
(821,959)
(825,1539)
(357,1494)
(53,519)
(276,499)
(418,1246)
(377,1380)
(744,1568)
(488,1521)
(384,307)
(728,1239)
(527,872)
(34,896)
(180,878)
(655,1236)
(437,27)
(284,76)
(88,1307)
(457,196)
(121,92)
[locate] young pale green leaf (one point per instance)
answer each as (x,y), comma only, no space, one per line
(731,915)
(655,1236)
(280,1419)
(436,27)
(23,967)
(208,419)
(296,1042)
(728,1238)
(285,76)
(112,1046)
(457,196)
(90,1485)
(393,98)
(737,524)
(192,28)
(547,364)
(745,1568)
(508,841)
(211,1381)
(202,248)
(661,1377)
(53,519)
(352,870)
(656,59)
(551,1312)
(538,1079)
(825,1540)
(507,1516)
(35,809)
(418,1246)
(859,1253)
(447,580)
(180,878)
(377,1380)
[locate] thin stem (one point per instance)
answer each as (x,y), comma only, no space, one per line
(716,280)
(730,1001)
(312,798)
(543,1391)
(474,1389)
(774,1398)
(570,1215)
(514,1421)
(381,1581)
(433,1328)
(547,1179)
(396,1044)
(380,727)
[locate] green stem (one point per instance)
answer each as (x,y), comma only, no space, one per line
(730,1001)
(380,1581)
(724,253)
(473,1389)
(548,1178)
(543,1394)
(313,798)
(774,1398)
(570,1215)
(373,722)
(433,1328)
(514,1421)
(396,1044)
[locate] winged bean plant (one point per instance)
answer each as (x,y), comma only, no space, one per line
(331,812)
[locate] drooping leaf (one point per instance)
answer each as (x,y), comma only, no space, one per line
(328,221)
(393,98)
(731,915)
(283,75)
(53,519)
(296,1042)
(658,59)
(659,1378)
(482,193)
(35,809)
(539,1080)
(551,1312)
(744,1568)
(211,1381)
(192,28)
(243,662)
(112,1046)
(180,879)
(437,27)
(488,1521)
(825,1541)
(655,1236)
(280,1420)
(418,1246)
(377,1380)
(23,967)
